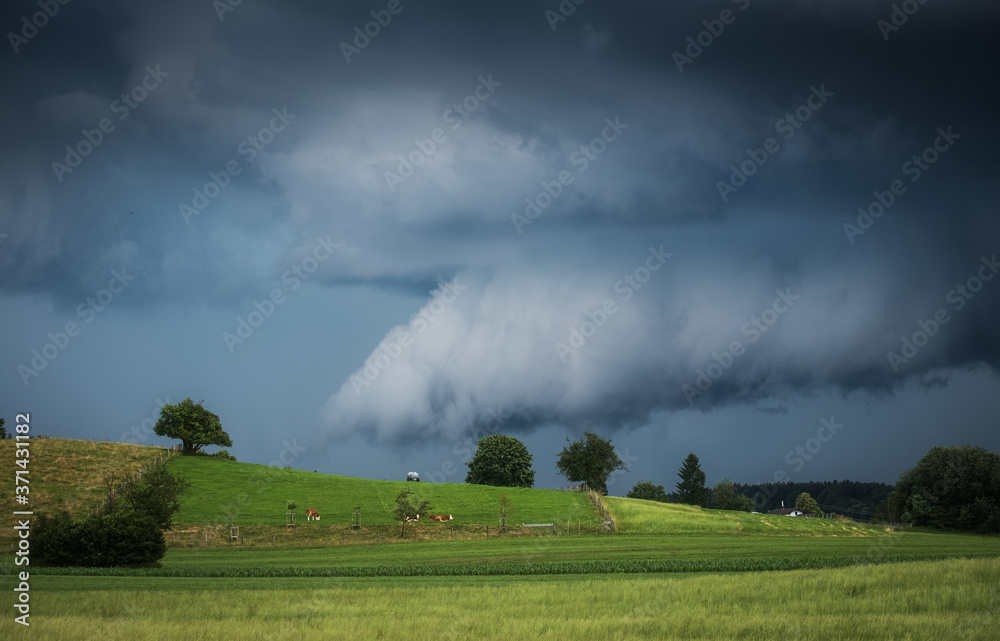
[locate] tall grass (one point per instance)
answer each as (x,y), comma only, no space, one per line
(635,516)
(956,599)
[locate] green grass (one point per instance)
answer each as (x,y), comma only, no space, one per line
(957,599)
(570,548)
(670,572)
(635,516)
(252,494)
(581,554)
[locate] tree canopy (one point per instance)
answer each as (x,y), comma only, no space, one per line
(952,487)
(591,460)
(194,425)
(852,498)
(153,494)
(502,461)
(691,488)
(725,497)
(807,504)
(647,491)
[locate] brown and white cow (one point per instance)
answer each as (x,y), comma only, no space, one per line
(435,517)
(410,519)
(311,514)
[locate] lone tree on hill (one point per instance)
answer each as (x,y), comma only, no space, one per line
(408,507)
(502,461)
(591,460)
(194,425)
(691,488)
(807,504)
(647,491)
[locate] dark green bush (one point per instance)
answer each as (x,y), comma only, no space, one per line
(121,538)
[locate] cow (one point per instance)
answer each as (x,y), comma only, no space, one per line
(435,517)
(409,519)
(311,514)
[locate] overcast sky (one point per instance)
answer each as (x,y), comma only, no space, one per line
(762,232)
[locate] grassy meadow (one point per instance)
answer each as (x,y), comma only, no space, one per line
(956,599)
(249,494)
(668,572)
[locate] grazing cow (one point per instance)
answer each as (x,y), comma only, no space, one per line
(408,519)
(311,514)
(435,517)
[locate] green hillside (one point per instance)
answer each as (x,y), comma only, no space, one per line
(69,474)
(635,516)
(249,494)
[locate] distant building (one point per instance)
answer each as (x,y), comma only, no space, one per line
(787,511)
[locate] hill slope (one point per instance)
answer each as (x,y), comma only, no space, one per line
(250,494)
(69,473)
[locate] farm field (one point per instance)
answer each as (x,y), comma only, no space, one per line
(668,572)
(955,599)
(608,547)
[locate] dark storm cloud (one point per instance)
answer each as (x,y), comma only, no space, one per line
(656,143)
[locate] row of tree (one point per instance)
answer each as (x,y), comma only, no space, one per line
(504,461)
(691,490)
(855,499)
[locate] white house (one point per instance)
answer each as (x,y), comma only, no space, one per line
(789,511)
